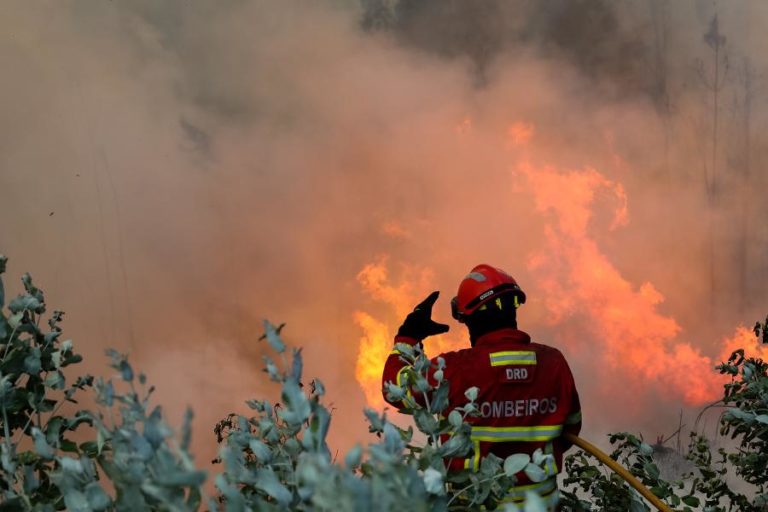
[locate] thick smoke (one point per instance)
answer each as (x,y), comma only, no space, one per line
(172,173)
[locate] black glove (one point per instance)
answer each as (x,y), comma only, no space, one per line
(419,324)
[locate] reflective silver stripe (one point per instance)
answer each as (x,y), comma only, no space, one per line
(574,418)
(513,357)
(502,434)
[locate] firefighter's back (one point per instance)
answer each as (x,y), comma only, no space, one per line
(525,397)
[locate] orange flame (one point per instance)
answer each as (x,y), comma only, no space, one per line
(376,343)
(746,339)
(375,346)
(628,333)
(377,340)
(578,278)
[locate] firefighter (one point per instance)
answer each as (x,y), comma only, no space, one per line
(526,398)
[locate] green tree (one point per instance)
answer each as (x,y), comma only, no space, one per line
(745,422)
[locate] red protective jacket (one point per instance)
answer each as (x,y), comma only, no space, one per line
(527,396)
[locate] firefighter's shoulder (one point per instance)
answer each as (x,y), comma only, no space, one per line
(547,352)
(464,353)
(458,358)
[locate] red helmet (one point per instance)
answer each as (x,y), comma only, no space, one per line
(482,284)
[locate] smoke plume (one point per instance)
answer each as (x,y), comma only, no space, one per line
(173,173)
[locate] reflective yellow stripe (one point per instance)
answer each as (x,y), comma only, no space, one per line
(514,353)
(395,352)
(543,489)
(513,357)
(573,419)
(408,400)
(506,434)
(550,466)
(550,502)
(474,461)
(398,379)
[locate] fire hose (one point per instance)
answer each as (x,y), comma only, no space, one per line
(619,470)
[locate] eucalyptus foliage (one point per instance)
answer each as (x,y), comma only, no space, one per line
(276,458)
(122,455)
(37,448)
(129,445)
